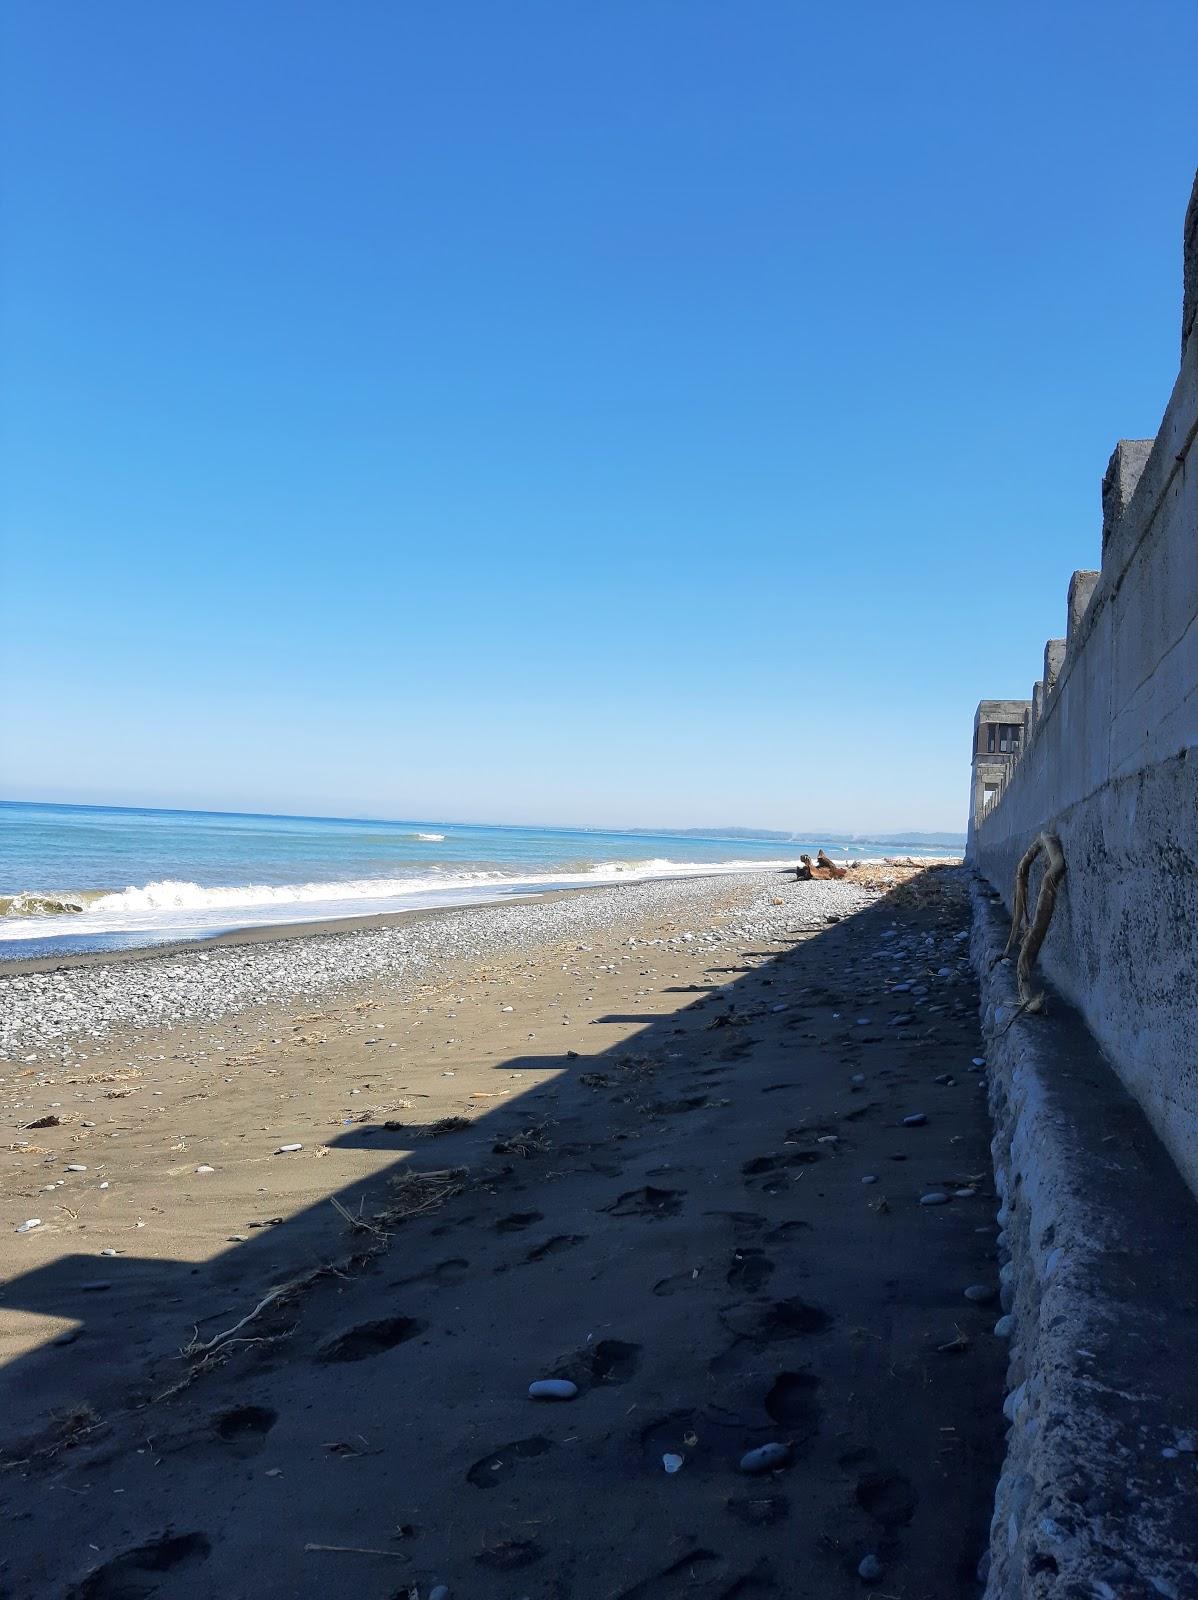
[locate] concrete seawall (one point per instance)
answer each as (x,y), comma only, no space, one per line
(1098,1247)
(1106,758)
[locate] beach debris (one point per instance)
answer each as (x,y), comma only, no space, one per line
(765,1458)
(28,1227)
(288,1149)
(552,1389)
(822,868)
(955,1346)
(414,1193)
(357,1550)
(49,1121)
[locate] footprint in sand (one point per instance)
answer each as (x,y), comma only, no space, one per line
(518,1220)
(888,1497)
(369,1339)
(784,1319)
(751,1269)
(137,1574)
(244,1429)
(611,1361)
(647,1202)
(501,1463)
(554,1246)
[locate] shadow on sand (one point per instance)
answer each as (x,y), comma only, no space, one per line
(678,1225)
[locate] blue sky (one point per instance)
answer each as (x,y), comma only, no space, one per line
(654,411)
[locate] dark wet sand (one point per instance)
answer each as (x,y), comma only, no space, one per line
(675,1220)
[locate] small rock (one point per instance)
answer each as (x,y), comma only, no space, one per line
(288,1149)
(979,1061)
(870,1177)
(903,1020)
(915,1120)
(936,1197)
(982,1294)
(671,1462)
(1005,1327)
(765,1458)
(205,1169)
(75,1167)
(869,1569)
(439,1591)
(28,1227)
(552,1389)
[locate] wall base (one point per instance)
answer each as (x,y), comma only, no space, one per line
(1098,1496)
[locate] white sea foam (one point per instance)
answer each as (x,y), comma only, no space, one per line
(171,908)
(430,838)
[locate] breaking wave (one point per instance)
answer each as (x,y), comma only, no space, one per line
(169,908)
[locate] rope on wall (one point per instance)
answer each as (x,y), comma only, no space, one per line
(1049,845)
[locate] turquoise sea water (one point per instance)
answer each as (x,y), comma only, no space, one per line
(97,877)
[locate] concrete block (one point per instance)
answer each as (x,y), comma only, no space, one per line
(1054,660)
(1123,473)
(1081,589)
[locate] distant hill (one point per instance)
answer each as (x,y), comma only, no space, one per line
(949,841)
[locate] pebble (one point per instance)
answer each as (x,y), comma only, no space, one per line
(75,1167)
(109,1252)
(205,1169)
(858,1077)
(1005,1327)
(870,1177)
(288,1149)
(902,1020)
(671,1462)
(915,1120)
(28,1227)
(936,1197)
(765,1458)
(439,1591)
(552,1389)
(869,1569)
(982,1294)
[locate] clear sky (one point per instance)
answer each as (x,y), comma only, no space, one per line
(630,411)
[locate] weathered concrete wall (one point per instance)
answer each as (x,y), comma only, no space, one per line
(1098,1252)
(1111,766)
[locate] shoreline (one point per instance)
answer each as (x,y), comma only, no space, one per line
(64,1008)
(861,871)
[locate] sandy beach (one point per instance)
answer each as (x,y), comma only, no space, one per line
(314,1212)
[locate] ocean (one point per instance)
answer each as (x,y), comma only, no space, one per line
(76,878)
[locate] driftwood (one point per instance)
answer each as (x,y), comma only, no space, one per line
(1048,845)
(822,868)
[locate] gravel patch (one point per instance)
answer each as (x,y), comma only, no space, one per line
(209,984)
